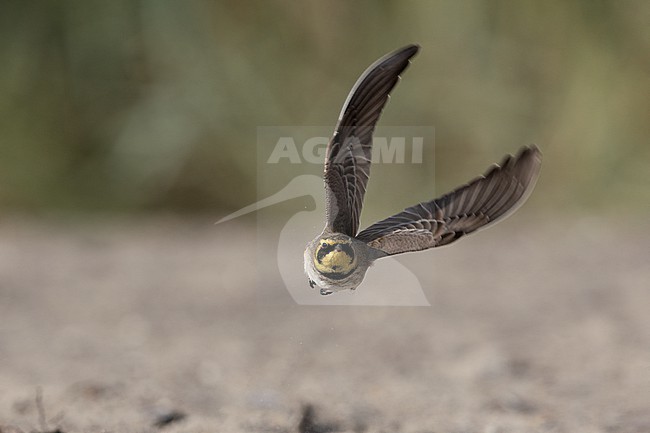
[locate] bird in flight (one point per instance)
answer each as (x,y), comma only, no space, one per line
(338,258)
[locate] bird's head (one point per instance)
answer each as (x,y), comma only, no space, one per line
(334,257)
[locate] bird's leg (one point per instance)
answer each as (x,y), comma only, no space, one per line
(312,284)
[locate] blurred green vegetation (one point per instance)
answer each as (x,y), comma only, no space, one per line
(151,105)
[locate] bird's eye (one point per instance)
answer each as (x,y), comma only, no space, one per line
(324,244)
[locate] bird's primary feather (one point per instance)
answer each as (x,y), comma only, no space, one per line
(477,204)
(347,164)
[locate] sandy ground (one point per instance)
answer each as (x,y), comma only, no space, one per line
(136,326)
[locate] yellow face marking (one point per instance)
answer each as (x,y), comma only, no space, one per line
(334,257)
(338,261)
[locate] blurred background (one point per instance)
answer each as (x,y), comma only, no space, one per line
(128,127)
(143,106)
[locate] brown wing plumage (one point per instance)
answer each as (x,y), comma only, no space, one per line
(479,203)
(347,164)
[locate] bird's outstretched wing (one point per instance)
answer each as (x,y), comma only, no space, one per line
(481,202)
(347,164)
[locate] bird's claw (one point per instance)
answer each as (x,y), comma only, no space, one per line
(323,292)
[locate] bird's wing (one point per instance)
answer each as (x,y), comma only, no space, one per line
(347,163)
(477,204)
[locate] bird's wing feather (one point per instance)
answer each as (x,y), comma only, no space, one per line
(477,204)
(347,164)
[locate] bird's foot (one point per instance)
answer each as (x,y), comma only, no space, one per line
(325,292)
(312,284)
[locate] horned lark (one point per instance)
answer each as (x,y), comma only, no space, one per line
(339,257)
